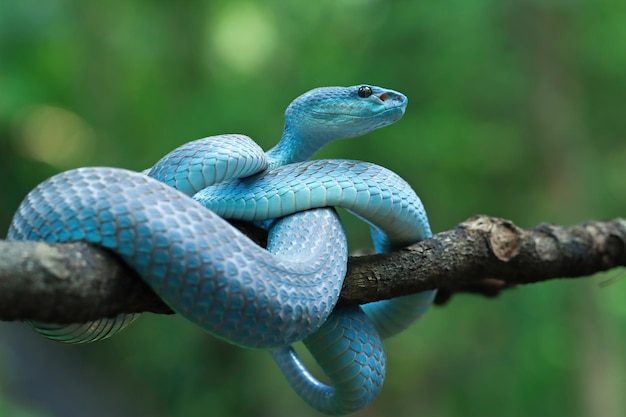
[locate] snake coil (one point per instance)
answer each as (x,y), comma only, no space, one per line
(168,224)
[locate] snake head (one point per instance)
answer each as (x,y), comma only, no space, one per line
(342,112)
(324,114)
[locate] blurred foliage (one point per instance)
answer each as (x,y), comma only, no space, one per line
(515,110)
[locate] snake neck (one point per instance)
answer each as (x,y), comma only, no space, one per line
(296,146)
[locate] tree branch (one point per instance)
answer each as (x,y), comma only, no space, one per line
(76,282)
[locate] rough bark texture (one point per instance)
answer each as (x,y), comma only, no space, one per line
(76,282)
(485,255)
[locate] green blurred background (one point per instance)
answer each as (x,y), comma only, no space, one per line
(516,109)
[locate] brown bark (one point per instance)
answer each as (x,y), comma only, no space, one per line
(76,282)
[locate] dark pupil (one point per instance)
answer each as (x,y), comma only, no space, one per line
(364,92)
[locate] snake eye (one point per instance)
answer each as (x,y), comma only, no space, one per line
(364,91)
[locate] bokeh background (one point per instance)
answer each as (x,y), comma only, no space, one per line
(516,109)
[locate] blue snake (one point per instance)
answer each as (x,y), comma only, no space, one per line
(168,223)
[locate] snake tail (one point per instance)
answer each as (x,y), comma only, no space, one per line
(87,332)
(350,352)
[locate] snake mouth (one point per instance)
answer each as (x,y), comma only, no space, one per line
(394,107)
(362,116)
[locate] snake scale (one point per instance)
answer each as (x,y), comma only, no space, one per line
(168,223)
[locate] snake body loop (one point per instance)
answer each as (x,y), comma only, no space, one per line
(216,277)
(354,363)
(200,265)
(374,193)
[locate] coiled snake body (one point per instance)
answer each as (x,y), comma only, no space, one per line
(216,277)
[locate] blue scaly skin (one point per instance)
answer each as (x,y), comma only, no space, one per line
(216,277)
